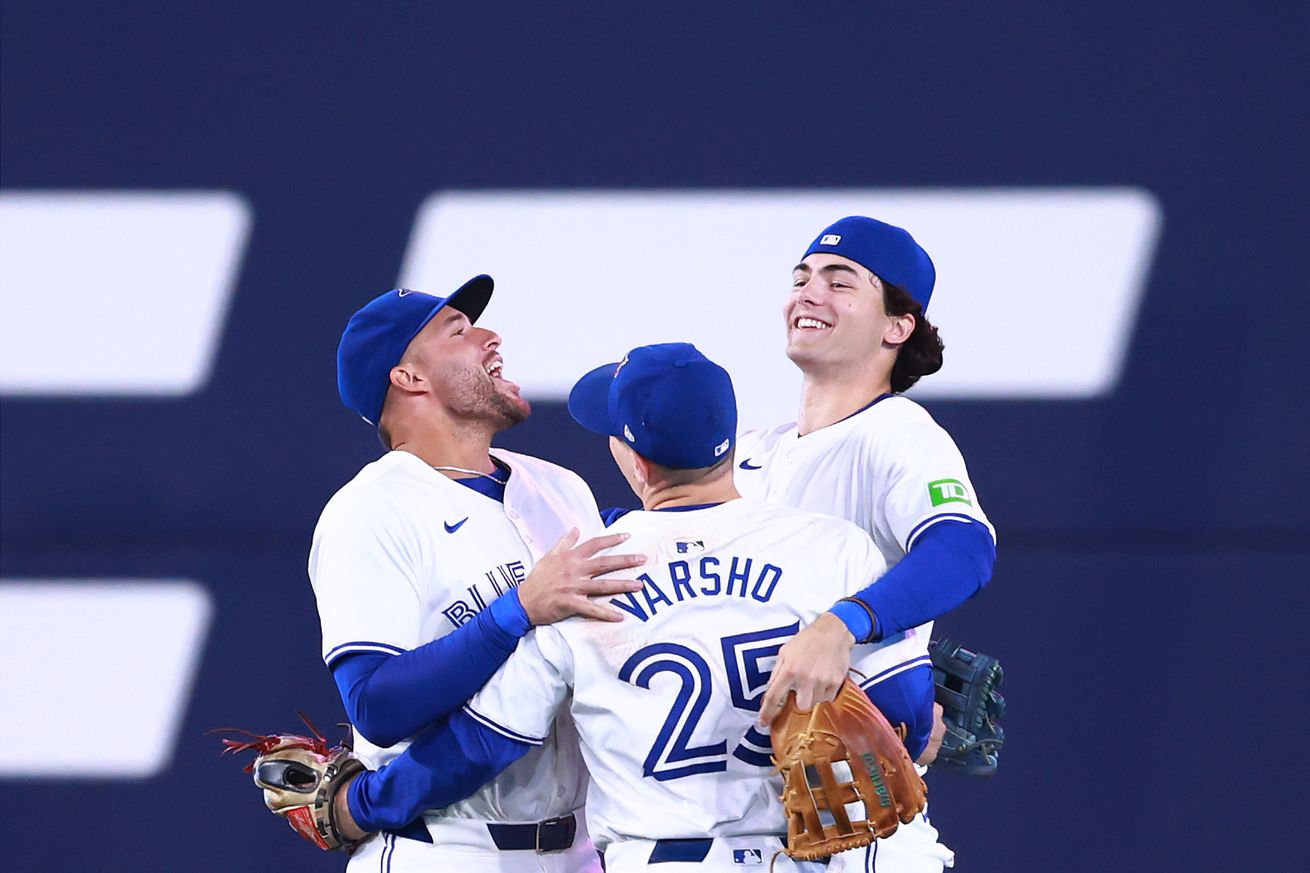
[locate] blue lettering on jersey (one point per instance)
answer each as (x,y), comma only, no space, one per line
(659,596)
(680,573)
(506,576)
(743,576)
(499,579)
(707,574)
(458,613)
(743,580)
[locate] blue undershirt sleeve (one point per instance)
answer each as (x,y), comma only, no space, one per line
(391,697)
(906,699)
(950,562)
(442,766)
(856,618)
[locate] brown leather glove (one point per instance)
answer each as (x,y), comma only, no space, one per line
(838,754)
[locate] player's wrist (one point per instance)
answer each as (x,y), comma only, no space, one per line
(857,618)
(342,815)
(510,615)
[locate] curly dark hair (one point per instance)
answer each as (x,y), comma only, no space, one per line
(921,354)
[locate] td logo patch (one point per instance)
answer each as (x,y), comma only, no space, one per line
(948,491)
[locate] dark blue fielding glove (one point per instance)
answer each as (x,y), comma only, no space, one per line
(966,687)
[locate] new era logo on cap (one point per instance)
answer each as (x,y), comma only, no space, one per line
(830,239)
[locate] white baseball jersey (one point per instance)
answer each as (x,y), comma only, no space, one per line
(665,701)
(889,468)
(403,555)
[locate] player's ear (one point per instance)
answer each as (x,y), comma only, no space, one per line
(898,329)
(640,469)
(404,378)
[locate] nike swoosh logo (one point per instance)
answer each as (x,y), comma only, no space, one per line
(747,465)
(451,528)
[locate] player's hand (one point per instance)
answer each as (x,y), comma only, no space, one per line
(929,754)
(564,582)
(814,663)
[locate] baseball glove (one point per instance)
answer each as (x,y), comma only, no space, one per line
(839,758)
(966,687)
(300,777)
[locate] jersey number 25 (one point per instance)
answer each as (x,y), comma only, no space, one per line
(672,756)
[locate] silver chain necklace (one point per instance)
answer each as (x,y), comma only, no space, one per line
(490,476)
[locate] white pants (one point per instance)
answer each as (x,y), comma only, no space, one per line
(912,849)
(464,844)
(735,854)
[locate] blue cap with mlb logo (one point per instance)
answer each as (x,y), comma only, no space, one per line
(668,402)
(376,337)
(886,250)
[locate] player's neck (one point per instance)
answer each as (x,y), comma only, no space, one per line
(829,398)
(466,448)
(719,491)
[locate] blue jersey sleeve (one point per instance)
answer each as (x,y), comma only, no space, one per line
(442,766)
(390,697)
(950,562)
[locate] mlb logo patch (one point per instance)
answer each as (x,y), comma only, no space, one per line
(748,857)
(690,547)
(830,239)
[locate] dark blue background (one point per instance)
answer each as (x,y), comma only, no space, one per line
(1155,544)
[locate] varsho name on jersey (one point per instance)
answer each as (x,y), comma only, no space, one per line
(709,576)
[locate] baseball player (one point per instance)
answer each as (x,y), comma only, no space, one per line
(861,451)
(666,702)
(431,564)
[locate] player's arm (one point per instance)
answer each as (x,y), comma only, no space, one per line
(391,692)
(816,661)
(392,696)
(950,547)
(948,564)
(447,763)
(932,511)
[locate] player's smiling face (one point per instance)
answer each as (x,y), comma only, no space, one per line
(463,364)
(834,313)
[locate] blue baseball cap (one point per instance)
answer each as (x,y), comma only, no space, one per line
(670,403)
(888,251)
(376,337)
